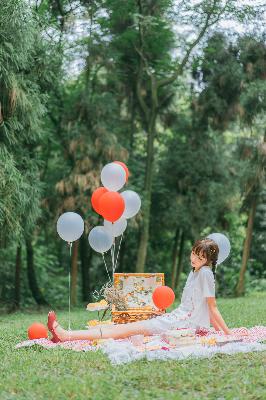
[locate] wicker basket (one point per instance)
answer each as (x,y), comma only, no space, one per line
(134,314)
(130,315)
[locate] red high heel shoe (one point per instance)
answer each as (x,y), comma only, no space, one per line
(50,324)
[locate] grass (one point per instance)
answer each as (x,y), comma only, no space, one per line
(36,373)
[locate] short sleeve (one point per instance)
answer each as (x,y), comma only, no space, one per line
(207,283)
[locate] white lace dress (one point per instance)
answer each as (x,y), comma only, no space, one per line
(193,309)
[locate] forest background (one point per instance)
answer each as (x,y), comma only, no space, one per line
(177,91)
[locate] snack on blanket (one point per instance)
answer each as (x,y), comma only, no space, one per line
(151,338)
(96,342)
(208,342)
(98,306)
(219,341)
(181,332)
(175,336)
(95,322)
(153,347)
(179,339)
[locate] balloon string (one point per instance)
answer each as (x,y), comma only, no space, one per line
(112,261)
(113,257)
(106,267)
(69,287)
(113,251)
(118,250)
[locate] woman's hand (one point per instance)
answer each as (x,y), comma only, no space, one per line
(216,316)
(228,332)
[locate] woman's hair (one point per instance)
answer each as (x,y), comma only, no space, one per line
(208,249)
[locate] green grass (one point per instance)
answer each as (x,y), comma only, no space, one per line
(36,373)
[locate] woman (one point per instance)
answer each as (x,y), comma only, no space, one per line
(198,306)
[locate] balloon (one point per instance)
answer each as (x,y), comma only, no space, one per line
(70,226)
(132,203)
(96,197)
(163,297)
(37,331)
(100,240)
(224,246)
(112,206)
(113,176)
(125,168)
(116,228)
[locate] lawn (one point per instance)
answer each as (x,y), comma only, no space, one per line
(36,373)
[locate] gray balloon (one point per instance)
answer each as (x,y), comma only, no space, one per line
(70,226)
(100,240)
(132,203)
(117,228)
(113,176)
(224,246)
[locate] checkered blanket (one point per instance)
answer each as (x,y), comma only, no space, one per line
(123,351)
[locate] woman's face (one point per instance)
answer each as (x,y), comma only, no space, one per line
(197,261)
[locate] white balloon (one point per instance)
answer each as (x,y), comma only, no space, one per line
(100,240)
(224,246)
(117,228)
(113,176)
(70,226)
(132,203)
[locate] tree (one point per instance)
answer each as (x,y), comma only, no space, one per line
(21,109)
(252,193)
(144,29)
(233,79)
(22,106)
(189,202)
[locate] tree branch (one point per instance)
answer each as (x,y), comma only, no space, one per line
(180,67)
(140,98)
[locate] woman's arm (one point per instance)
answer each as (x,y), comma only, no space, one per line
(216,317)
(214,323)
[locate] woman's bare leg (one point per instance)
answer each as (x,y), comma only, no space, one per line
(105,332)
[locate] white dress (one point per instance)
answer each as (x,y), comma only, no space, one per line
(193,309)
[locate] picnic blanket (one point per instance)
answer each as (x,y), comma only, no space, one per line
(154,347)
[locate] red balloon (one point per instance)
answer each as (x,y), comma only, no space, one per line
(37,331)
(96,195)
(124,166)
(163,297)
(112,206)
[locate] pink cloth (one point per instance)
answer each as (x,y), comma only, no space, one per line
(254,334)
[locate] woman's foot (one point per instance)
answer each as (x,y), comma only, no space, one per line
(55,328)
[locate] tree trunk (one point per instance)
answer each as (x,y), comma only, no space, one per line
(240,289)
(85,258)
(132,122)
(174,257)
(17,279)
(180,259)
(74,273)
(144,234)
(36,293)
(254,190)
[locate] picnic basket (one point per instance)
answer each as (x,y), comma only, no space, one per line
(138,289)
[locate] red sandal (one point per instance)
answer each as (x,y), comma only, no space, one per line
(50,324)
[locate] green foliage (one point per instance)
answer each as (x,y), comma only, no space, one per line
(19,191)
(21,110)
(232,79)
(59,124)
